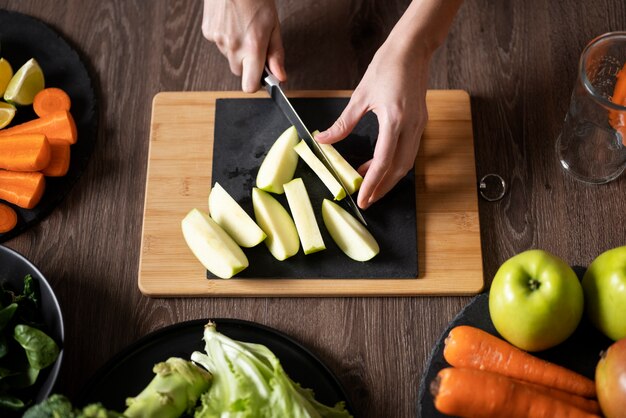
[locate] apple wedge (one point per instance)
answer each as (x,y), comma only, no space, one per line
(348,175)
(233,219)
(282,237)
(349,234)
(279,164)
(212,246)
(302,212)
(320,169)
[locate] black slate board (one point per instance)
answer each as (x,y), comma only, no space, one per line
(580,352)
(22,38)
(245,129)
(128,372)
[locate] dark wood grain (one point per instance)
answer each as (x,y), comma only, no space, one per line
(518,61)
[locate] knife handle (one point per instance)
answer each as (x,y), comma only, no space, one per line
(268,79)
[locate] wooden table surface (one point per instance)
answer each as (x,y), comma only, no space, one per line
(518,61)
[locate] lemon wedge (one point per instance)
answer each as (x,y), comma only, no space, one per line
(25,84)
(6,73)
(7,112)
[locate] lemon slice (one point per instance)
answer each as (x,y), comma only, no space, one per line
(7,111)
(25,84)
(6,73)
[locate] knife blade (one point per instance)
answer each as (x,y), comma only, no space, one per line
(272,85)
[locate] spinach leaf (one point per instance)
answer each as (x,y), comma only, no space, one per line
(41,350)
(4,348)
(11,402)
(30,290)
(6,314)
(24,378)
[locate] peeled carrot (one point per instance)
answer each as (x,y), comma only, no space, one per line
(22,189)
(25,152)
(8,218)
(59,160)
(617,119)
(477,393)
(55,126)
(590,405)
(474,348)
(51,100)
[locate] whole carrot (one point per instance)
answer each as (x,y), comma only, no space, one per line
(474,348)
(590,405)
(8,218)
(477,394)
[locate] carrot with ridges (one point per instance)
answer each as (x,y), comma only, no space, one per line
(25,152)
(474,348)
(55,126)
(590,405)
(59,160)
(51,100)
(477,394)
(22,189)
(8,218)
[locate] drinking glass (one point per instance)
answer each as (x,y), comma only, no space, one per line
(592,143)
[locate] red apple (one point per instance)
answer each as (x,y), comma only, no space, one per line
(611,380)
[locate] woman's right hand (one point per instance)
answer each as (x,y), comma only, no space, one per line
(247,32)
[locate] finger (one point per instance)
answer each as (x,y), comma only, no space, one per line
(252,71)
(350,116)
(362,170)
(234,61)
(382,161)
(276,55)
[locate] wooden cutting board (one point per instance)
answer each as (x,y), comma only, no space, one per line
(179,178)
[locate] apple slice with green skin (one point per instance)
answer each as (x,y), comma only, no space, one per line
(320,169)
(349,234)
(212,246)
(279,165)
(348,175)
(233,219)
(302,212)
(282,237)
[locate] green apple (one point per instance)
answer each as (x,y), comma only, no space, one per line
(604,284)
(536,300)
(348,175)
(282,237)
(349,234)
(212,246)
(303,216)
(611,380)
(279,165)
(233,219)
(320,169)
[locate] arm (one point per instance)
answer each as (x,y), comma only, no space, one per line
(394,88)
(247,32)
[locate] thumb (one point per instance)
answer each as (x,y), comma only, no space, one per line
(342,127)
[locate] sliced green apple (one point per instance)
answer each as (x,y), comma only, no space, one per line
(282,237)
(348,175)
(349,234)
(302,212)
(320,169)
(212,246)
(233,219)
(279,164)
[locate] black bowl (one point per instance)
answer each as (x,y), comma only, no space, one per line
(13,268)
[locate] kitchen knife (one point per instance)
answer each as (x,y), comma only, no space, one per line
(272,85)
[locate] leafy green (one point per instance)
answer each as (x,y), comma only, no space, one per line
(41,350)
(11,402)
(249,381)
(56,406)
(6,314)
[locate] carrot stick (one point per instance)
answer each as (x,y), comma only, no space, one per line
(51,100)
(617,119)
(22,189)
(8,218)
(590,405)
(477,393)
(25,152)
(58,125)
(474,348)
(59,160)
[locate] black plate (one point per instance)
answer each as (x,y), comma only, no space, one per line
(129,371)
(13,268)
(22,38)
(579,353)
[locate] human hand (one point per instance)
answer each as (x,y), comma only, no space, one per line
(247,32)
(394,88)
